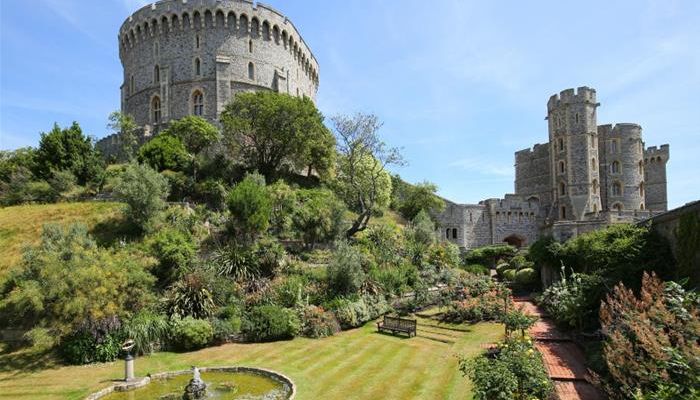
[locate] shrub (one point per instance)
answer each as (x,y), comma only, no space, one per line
(191,334)
(150,331)
(225,328)
(251,206)
(480,299)
(144,191)
(212,193)
(318,216)
(175,251)
(236,261)
(477,269)
(515,371)
(271,322)
(268,254)
(354,313)
(652,340)
(164,152)
(526,277)
(317,322)
(40,339)
(289,291)
(395,280)
(488,255)
(573,301)
(345,274)
(501,268)
(509,275)
(517,320)
(82,348)
(190,296)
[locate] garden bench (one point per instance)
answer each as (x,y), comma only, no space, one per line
(397,324)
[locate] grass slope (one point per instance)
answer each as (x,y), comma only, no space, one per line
(356,364)
(21,225)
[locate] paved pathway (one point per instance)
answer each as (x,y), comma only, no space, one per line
(564,361)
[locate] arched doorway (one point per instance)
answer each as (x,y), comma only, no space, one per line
(515,240)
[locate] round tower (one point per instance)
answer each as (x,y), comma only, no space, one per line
(573,142)
(190,58)
(624,153)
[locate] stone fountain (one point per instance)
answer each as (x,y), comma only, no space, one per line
(196,389)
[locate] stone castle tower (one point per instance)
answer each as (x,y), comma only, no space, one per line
(584,178)
(190,57)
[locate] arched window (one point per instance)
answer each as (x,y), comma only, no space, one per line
(447,233)
(617,189)
(243,25)
(595,207)
(562,188)
(562,167)
(617,207)
(250,46)
(197,67)
(577,118)
(641,206)
(266,30)
(563,212)
(454,233)
(156,74)
(641,168)
(251,71)
(197,41)
(197,103)
(561,144)
(594,164)
(155,109)
(595,186)
(615,167)
(254,27)
(641,189)
(613,146)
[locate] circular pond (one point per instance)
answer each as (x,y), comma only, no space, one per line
(222,384)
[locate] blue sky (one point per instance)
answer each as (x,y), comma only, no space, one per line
(460,85)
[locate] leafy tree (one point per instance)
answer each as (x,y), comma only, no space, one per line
(196,133)
(164,152)
(273,131)
(68,149)
(362,180)
(125,127)
(175,251)
(345,273)
(67,279)
(144,191)
(318,215)
(409,199)
(23,159)
(250,206)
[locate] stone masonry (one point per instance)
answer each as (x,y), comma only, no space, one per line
(586,177)
(190,57)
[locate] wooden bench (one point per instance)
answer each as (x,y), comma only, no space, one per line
(397,324)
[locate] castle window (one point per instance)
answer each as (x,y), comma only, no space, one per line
(577,118)
(254,27)
(613,146)
(197,103)
(156,74)
(243,25)
(562,167)
(658,159)
(447,233)
(615,167)
(617,189)
(641,189)
(454,233)
(470,217)
(156,49)
(266,30)
(595,207)
(641,168)
(131,85)
(562,189)
(197,67)
(563,212)
(251,71)
(593,141)
(561,144)
(594,164)
(641,206)
(196,41)
(250,46)
(155,109)
(595,186)
(617,207)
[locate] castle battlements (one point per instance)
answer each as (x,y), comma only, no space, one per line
(662,152)
(582,94)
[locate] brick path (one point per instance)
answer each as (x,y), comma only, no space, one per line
(564,361)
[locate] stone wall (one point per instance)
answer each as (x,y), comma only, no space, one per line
(655,160)
(533,175)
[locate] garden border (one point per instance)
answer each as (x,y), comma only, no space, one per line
(141,382)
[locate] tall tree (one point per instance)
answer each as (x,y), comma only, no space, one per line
(68,149)
(272,131)
(363,181)
(196,133)
(125,127)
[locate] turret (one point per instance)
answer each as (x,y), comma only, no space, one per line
(655,160)
(573,149)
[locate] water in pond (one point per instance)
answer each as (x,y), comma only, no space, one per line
(220,386)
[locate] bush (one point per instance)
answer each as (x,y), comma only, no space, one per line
(164,152)
(271,322)
(289,291)
(225,328)
(251,206)
(488,255)
(268,255)
(317,322)
(175,251)
(480,299)
(396,280)
(190,296)
(477,269)
(354,313)
(526,277)
(509,275)
(191,334)
(573,301)
(515,371)
(144,191)
(212,193)
(40,339)
(318,216)
(501,268)
(345,274)
(150,331)
(82,348)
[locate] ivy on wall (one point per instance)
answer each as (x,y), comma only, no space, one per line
(688,248)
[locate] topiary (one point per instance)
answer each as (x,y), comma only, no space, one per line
(509,275)
(502,267)
(526,277)
(190,333)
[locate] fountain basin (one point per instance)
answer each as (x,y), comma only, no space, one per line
(223,383)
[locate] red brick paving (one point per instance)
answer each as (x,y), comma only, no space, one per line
(564,361)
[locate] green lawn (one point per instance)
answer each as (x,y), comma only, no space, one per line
(356,364)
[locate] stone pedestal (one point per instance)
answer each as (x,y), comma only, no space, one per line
(129,368)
